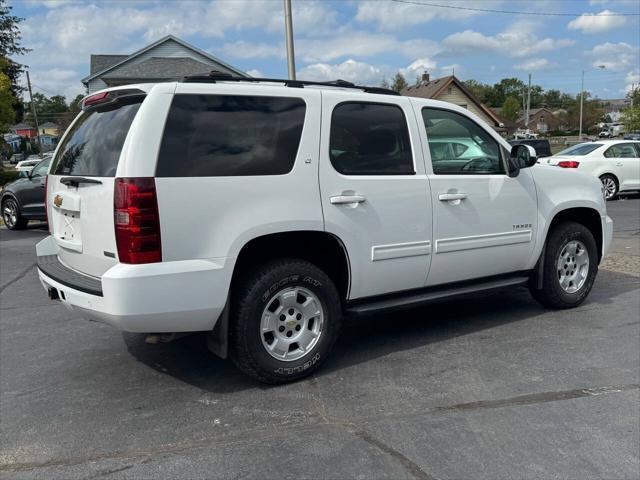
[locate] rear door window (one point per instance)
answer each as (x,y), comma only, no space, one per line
(370,139)
(92,148)
(230,135)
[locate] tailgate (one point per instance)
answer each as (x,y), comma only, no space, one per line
(80,187)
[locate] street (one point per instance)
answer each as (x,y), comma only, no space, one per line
(489,387)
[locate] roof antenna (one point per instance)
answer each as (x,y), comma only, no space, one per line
(453,71)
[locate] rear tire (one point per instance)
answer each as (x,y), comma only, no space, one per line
(611,186)
(11,215)
(285,318)
(570,266)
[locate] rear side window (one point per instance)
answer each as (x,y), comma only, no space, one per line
(92,148)
(230,135)
(370,139)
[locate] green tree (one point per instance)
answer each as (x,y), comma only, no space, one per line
(479,89)
(634,96)
(7,112)
(631,118)
(385,83)
(507,87)
(399,82)
(10,38)
(510,108)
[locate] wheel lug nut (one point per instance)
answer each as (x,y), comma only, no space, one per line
(282,318)
(289,333)
(297,328)
(299,316)
(291,311)
(281,329)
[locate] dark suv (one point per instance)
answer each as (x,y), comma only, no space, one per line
(23,200)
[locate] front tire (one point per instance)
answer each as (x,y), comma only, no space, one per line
(610,185)
(570,266)
(11,215)
(286,316)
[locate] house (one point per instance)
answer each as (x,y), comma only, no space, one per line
(614,107)
(12,140)
(48,142)
(541,120)
(450,89)
(49,128)
(24,130)
(165,60)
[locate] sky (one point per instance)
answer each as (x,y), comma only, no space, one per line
(361,41)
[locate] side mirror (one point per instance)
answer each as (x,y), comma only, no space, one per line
(522,156)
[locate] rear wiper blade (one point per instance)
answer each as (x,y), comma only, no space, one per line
(76,181)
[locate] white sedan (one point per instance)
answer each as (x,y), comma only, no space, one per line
(615,162)
(27,165)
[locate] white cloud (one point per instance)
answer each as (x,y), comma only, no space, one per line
(519,40)
(361,44)
(417,68)
(632,80)
(56,81)
(534,64)
(350,70)
(364,73)
(399,16)
(590,23)
(614,56)
(242,49)
(254,72)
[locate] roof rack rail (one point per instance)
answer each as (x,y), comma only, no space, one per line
(217,76)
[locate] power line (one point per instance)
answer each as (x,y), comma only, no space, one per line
(511,12)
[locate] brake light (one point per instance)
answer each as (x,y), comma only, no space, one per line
(568,164)
(136,220)
(46,201)
(93,99)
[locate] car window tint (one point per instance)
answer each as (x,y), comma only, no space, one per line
(93,146)
(41,169)
(459,146)
(230,135)
(580,149)
(370,139)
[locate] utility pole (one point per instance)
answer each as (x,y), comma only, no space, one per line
(35,116)
(288,22)
(528,103)
(581,98)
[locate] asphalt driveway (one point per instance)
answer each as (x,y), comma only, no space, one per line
(490,387)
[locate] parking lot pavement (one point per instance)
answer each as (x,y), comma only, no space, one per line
(488,387)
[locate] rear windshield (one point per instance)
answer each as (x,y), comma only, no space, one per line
(92,148)
(580,149)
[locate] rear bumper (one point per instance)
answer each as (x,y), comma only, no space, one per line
(181,296)
(607,234)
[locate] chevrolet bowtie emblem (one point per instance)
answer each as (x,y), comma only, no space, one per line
(57,201)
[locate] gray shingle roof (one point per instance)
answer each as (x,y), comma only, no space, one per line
(428,89)
(160,68)
(100,62)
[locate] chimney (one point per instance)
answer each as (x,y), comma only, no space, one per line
(425,77)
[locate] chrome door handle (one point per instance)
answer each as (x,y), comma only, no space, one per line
(618,164)
(347,199)
(448,197)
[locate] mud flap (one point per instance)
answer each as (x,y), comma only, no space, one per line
(218,338)
(537,279)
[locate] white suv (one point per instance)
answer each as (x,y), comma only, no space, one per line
(263,211)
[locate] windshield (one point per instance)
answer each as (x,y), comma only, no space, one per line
(580,149)
(93,146)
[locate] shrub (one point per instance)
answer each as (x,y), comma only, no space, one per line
(7,176)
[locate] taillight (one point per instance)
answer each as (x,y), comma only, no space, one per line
(568,164)
(136,220)
(93,99)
